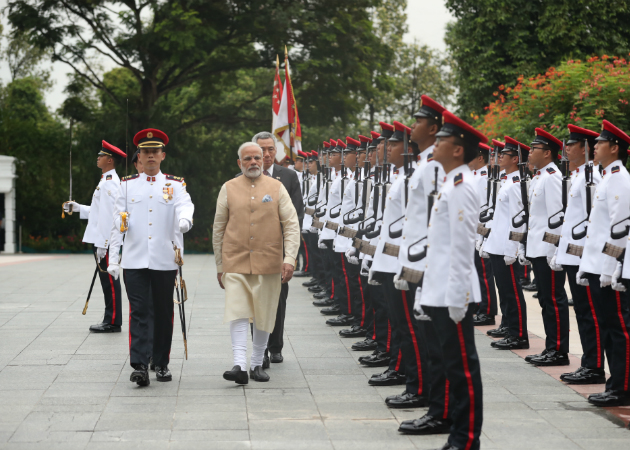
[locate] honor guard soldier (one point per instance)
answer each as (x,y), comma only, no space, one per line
(156,206)
(545,201)
(309,234)
(610,211)
(580,149)
(488,305)
(99,215)
(303,178)
(503,251)
(450,282)
(383,271)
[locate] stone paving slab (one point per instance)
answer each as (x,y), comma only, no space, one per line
(64,388)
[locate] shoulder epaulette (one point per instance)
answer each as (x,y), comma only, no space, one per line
(614,169)
(483,172)
(516,179)
(430,157)
(108,177)
(130,177)
(174,178)
(551,170)
(459,179)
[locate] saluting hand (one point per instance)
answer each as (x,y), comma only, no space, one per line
(287,272)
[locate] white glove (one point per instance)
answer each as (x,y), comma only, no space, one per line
(509,260)
(100,253)
(522,259)
(75,207)
(184,226)
(457,314)
(580,280)
(482,252)
(370,280)
(351,255)
(114,270)
(616,284)
(418,313)
(478,245)
(605,280)
(555,267)
(401,285)
(365,267)
(313,230)
(322,245)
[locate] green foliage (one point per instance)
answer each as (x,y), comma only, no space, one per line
(576,92)
(494,41)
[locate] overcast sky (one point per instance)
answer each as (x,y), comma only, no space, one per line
(427,21)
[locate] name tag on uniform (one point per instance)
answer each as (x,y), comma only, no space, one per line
(266,198)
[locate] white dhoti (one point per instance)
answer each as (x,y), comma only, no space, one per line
(250,296)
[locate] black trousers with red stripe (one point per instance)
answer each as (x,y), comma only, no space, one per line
(111,292)
(461,363)
(361,304)
(303,252)
(587,307)
(317,267)
(511,296)
(382,326)
(488,303)
(337,272)
(366,322)
(353,287)
(615,308)
(332,270)
(146,286)
(555,304)
(412,347)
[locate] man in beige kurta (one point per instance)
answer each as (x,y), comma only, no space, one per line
(256,237)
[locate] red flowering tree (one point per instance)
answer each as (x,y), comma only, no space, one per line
(578,92)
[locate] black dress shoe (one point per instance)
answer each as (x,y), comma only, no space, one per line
(301,273)
(163,374)
(408,400)
(315,289)
(341,320)
(379,359)
(375,352)
(498,332)
(321,295)
(355,331)
(311,282)
(324,302)
(387,378)
(552,358)
(483,319)
(533,286)
(276,357)
(366,345)
(610,398)
(151,364)
(331,310)
(390,397)
(140,376)
(426,425)
(266,361)
(237,375)
(511,343)
(258,374)
(528,358)
(584,376)
(448,446)
(104,328)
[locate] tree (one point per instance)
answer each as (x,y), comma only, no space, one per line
(23,58)
(494,41)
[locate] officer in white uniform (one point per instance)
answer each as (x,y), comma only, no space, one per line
(99,215)
(303,178)
(545,202)
(611,205)
(158,206)
(588,317)
(503,252)
(450,281)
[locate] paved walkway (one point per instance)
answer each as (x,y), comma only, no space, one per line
(61,387)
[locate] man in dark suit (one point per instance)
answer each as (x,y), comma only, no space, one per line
(290,181)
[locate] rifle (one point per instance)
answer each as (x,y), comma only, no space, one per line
(344,177)
(312,200)
(408,172)
(566,179)
(359,205)
(325,177)
(184,296)
(589,184)
(124,215)
(63,215)
(524,220)
(414,257)
(379,175)
(494,182)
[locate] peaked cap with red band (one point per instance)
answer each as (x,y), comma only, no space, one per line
(341,143)
(398,135)
(108,149)
(511,145)
(484,147)
(352,143)
(430,108)
(301,155)
(498,143)
(151,138)
(387,130)
(542,137)
(613,134)
(364,142)
(375,139)
(326,145)
(454,126)
(578,134)
(313,156)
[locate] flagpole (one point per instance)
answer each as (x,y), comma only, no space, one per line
(286,59)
